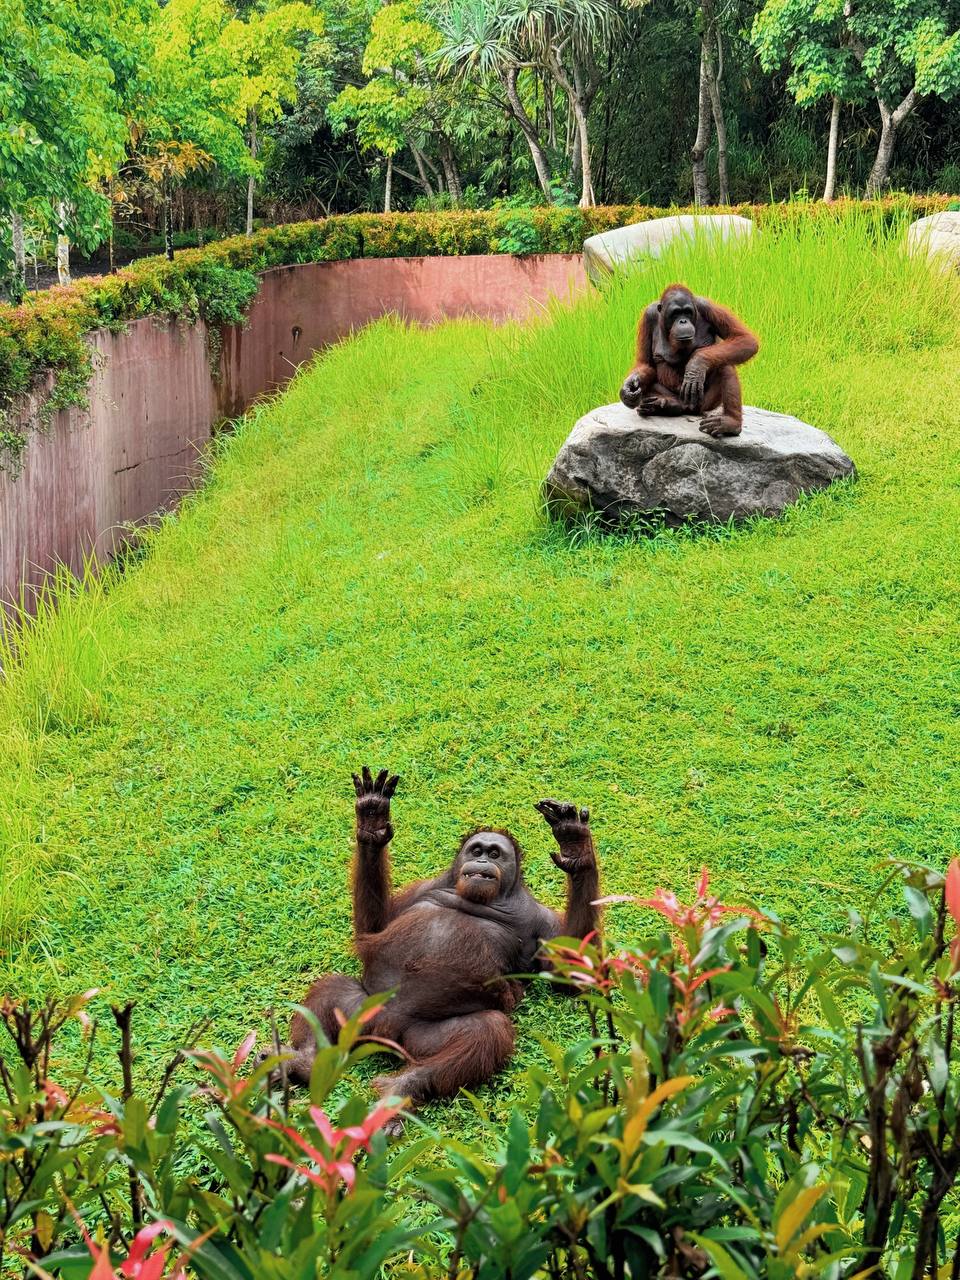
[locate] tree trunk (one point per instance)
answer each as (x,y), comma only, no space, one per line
(573,150)
(928,1229)
(421,169)
(714,72)
(450,170)
(890,123)
(388,185)
(168,221)
(585,93)
(437,175)
(586,186)
(550,114)
(63,245)
(252,122)
(831,182)
(533,142)
(579,103)
(18,284)
(698,154)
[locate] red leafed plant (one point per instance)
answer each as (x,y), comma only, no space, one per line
(328,1168)
(143,1260)
(951,893)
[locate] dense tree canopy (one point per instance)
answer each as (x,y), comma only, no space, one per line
(317,106)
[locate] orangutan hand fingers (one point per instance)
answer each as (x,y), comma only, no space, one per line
(691,392)
(584,816)
(357,785)
(631,392)
(391,786)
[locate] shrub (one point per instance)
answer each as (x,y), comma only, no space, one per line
(740,1106)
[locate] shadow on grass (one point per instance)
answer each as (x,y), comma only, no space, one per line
(655,534)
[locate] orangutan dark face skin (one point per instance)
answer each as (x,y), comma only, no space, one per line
(450,948)
(678,318)
(486,866)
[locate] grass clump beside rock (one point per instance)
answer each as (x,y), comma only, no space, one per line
(367,577)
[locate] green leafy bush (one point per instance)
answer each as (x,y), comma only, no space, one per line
(520,236)
(42,347)
(738,1107)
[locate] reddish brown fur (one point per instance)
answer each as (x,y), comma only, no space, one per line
(447,956)
(697,377)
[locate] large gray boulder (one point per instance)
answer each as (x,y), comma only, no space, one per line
(603,253)
(618,464)
(937,236)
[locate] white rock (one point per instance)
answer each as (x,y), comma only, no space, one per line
(604,252)
(618,464)
(938,235)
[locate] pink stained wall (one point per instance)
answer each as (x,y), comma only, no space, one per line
(153,399)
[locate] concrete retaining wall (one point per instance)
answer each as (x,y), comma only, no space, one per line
(154,400)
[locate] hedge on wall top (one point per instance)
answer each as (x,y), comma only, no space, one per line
(42,348)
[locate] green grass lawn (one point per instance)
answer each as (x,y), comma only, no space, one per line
(367,578)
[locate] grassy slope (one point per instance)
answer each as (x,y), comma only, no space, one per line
(366,579)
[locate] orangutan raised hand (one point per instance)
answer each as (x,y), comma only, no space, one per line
(373,806)
(571,830)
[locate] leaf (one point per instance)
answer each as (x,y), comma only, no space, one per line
(828,1005)
(642,1190)
(207,1260)
(937,1064)
(727,1269)
(918,904)
(518,1153)
(637,1123)
(678,1138)
(796,1213)
(952,889)
(899,980)
(407,1156)
(807,1237)
(43,1227)
(876,986)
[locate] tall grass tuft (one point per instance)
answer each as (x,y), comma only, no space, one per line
(846,285)
(53,669)
(53,661)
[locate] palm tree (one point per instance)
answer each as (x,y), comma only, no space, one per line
(555,38)
(562,37)
(482,40)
